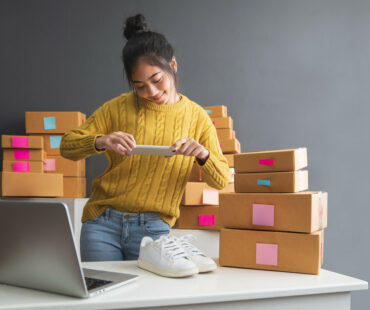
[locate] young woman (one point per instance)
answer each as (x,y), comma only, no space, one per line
(139,195)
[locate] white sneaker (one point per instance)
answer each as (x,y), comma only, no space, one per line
(204,263)
(165,257)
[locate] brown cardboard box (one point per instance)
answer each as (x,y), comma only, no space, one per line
(27,166)
(269,161)
(270,250)
(193,194)
(23,154)
(17,142)
(196,174)
(69,168)
(74,187)
(230,146)
(223,122)
(199,217)
(53,122)
(225,134)
(216,110)
(15,184)
(230,159)
(279,182)
(304,212)
(51,143)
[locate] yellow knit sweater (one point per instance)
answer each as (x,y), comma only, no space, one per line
(141,183)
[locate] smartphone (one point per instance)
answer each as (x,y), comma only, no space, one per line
(153,150)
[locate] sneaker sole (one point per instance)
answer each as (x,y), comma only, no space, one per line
(167,273)
(203,269)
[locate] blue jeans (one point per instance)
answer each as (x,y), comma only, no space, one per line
(116,235)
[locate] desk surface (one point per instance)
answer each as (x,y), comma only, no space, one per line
(225,284)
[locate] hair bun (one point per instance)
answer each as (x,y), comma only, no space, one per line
(134,24)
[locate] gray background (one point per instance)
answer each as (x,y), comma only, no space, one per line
(292,73)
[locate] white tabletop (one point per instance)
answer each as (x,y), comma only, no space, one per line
(225,284)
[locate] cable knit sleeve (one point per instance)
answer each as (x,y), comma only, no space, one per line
(80,143)
(215,170)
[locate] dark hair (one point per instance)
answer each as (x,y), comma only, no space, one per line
(143,44)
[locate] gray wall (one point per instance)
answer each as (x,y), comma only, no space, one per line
(292,73)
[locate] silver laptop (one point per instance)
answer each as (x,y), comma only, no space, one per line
(37,251)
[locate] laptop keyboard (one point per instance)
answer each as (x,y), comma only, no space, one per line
(92,283)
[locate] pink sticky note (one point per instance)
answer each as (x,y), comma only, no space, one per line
(49,164)
(206,219)
(21,154)
(210,197)
(20,142)
(21,166)
(268,162)
(263,214)
(266,254)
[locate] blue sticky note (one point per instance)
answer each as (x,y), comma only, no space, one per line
(49,123)
(55,142)
(264,182)
(209,111)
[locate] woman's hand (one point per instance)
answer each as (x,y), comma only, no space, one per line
(190,147)
(118,141)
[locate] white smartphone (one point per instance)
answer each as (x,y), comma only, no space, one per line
(153,150)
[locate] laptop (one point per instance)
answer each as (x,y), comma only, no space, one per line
(37,251)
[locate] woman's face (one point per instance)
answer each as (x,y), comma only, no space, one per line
(155,84)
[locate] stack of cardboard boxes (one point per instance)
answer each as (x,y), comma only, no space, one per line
(200,204)
(224,127)
(23,169)
(270,222)
(45,131)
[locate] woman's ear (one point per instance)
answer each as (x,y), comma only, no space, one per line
(173,64)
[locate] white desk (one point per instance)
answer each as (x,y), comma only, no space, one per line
(226,288)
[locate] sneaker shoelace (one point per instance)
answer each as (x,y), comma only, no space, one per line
(184,242)
(169,248)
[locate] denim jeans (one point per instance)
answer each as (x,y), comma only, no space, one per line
(116,235)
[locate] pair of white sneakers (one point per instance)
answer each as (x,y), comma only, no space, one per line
(173,257)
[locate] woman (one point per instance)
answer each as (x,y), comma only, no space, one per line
(139,195)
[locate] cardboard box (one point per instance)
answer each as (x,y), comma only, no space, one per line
(74,187)
(21,142)
(304,212)
(69,168)
(23,154)
(225,134)
(230,159)
(51,143)
(16,184)
(197,193)
(196,174)
(216,110)
(199,217)
(223,122)
(270,250)
(53,122)
(200,194)
(230,146)
(270,161)
(271,182)
(23,166)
